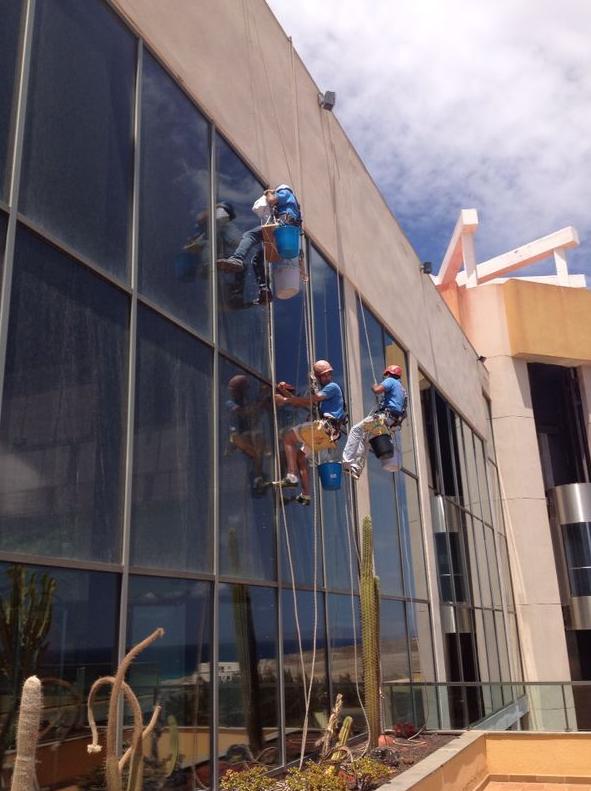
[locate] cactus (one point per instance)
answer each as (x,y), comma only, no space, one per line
(25,620)
(134,755)
(23,775)
(340,752)
(370,634)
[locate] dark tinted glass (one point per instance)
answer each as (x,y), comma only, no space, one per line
(344,640)
(243,327)
(327,314)
(483,566)
(395,355)
(247,526)
(77,161)
(577,542)
(420,642)
(393,641)
(411,536)
(175,250)
(62,432)
(67,636)
(171,518)
(339,541)
(247,673)
(295,706)
(174,671)
(371,342)
(385,528)
(3,223)
(11,11)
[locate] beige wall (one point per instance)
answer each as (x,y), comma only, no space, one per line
(234,59)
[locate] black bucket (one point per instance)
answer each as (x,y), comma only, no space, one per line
(382,446)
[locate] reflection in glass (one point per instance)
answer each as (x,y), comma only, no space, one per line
(344,640)
(482,484)
(247,674)
(9,44)
(339,541)
(411,536)
(479,541)
(62,429)
(247,527)
(493,567)
(420,642)
(327,314)
(395,355)
(77,160)
(371,342)
(295,708)
(385,529)
(172,448)
(3,223)
(175,251)
(493,658)
(175,670)
(393,641)
(577,543)
(76,646)
(243,331)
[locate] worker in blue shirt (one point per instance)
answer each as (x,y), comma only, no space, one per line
(328,399)
(280,204)
(390,413)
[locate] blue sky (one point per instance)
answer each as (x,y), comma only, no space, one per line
(460,104)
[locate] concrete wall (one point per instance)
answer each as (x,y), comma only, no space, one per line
(234,59)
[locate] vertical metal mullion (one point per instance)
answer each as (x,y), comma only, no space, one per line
(15,178)
(132,353)
(214,722)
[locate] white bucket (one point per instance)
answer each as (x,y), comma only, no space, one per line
(286,278)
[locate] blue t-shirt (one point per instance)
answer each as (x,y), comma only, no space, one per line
(333,402)
(394,394)
(287,203)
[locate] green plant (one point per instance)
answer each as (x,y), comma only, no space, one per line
(369,773)
(370,634)
(314,777)
(25,620)
(253,779)
(23,775)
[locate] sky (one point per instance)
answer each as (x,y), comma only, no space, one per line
(456,104)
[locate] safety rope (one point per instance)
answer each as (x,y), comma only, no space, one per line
(369,354)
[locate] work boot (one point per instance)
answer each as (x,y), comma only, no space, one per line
(352,470)
(230,264)
(289,480)
(303,499)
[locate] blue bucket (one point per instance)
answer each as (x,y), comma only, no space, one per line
(330,475)
(287,240)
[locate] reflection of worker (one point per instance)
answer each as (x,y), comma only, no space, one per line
(244,432)
(196,248)
(388,415)
(281,204)
(327,399)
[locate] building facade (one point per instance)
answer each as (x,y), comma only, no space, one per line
(137,429)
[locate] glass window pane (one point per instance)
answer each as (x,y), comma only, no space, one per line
(9,45)
(326,285)
(247,523)
(62,434)
(473,560)
(503,651)
(344,640)
(295,707)
(385,528)
(172,494)
(3,223)
(371,342)
(339,541)
(243,327)
(483,663)
(420,642)
(472,497)
(482,484)
(493,567)
(479,541)
(247,674)
(77,161)
(393,641)
(175,670)
(76,646)
(505,572)
(175,251)
(395,355)
(411,536)
(497,504)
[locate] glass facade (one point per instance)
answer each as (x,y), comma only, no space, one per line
(139,439)
(472,563)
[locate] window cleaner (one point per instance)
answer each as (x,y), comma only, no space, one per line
(322,433)
(279,205)
(379,426)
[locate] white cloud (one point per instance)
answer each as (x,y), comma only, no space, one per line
(456,104)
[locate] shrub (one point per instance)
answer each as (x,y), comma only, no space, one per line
(254,779)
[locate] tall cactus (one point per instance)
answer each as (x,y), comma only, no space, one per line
(370,634)
(29,718)
(25,620)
